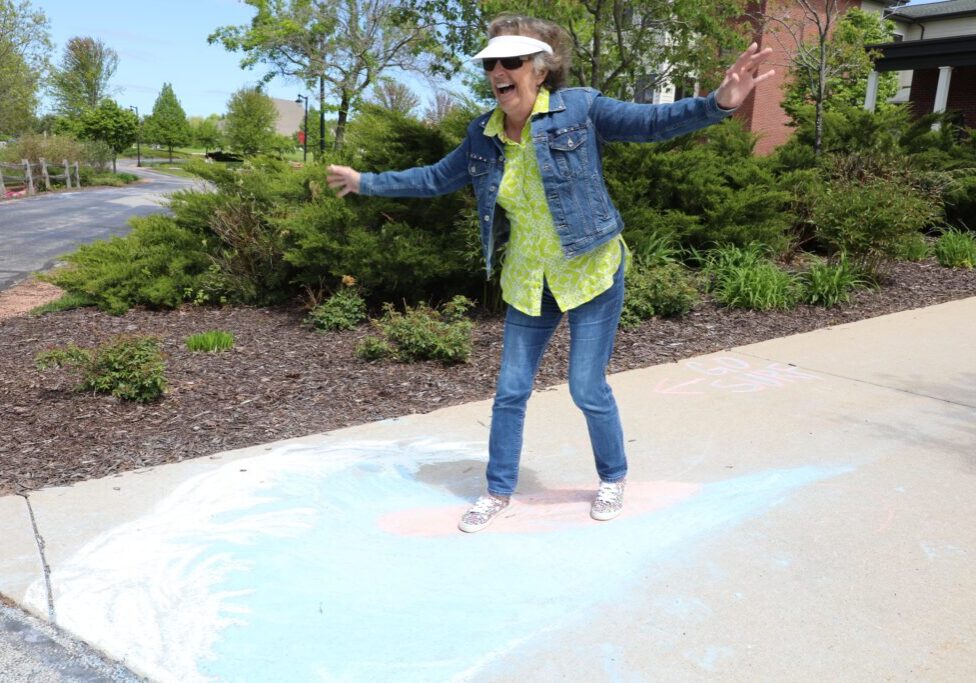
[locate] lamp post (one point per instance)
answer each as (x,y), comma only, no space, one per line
(138,135)
(298,100)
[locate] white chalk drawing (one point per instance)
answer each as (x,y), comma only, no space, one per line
(284,567)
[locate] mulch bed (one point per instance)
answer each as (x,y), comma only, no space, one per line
(284,379)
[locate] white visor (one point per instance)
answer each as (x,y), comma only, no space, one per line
(512,46)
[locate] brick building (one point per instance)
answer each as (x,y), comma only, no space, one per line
(935,55)
(762,113)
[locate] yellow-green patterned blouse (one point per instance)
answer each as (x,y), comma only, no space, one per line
(533,254)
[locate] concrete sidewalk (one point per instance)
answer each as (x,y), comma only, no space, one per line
(801,509)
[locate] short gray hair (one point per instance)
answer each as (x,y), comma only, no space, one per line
(556,64)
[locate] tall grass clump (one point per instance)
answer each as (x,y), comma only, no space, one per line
(758,287)
(956,249)
(743,277)
(210,341)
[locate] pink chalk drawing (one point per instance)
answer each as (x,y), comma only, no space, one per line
(542,511)
(733,375)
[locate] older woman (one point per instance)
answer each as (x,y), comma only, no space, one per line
(535,164)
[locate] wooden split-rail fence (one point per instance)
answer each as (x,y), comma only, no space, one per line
(23,179)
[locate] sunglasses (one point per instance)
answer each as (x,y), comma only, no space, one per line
(508,63)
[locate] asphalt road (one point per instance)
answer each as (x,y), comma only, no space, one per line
(36,231)
(31,650)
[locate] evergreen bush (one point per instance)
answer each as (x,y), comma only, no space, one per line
(698,190)
(155,265)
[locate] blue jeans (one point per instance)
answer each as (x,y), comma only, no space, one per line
(592,330)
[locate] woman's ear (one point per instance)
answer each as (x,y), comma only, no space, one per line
(541,78)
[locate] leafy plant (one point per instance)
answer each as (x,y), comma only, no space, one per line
(828,284)
(373,348)
(212,340)
(342,311)
(424,333)
(956,249)
(129,368)
(664,290)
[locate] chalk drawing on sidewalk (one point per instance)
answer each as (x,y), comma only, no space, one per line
(283,567)
(733,375)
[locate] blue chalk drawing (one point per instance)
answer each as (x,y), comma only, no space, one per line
(275,569)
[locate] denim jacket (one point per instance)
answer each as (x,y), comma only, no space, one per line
(568,142)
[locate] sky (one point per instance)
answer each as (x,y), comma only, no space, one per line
(165,41)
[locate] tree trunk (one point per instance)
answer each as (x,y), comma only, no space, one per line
(171,154)
(113,169)
(321,118)
(341,122)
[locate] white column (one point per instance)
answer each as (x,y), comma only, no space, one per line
(942,92)
(871,97)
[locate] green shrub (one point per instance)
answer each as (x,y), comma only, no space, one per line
(758,286)
(870,221)
(154,265)
(210,341)
(424,333)
(129,368)
(956,249)
(828,284)
(665,290)
(373,348)
(344,310)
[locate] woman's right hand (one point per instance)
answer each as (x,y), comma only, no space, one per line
(343,179)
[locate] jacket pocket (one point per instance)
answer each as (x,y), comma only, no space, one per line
(569,152)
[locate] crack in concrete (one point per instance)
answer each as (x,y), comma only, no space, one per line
(45,566)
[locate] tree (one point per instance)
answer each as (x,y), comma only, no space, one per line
(250,122)
(111,124)
(854,31)
(24,46)
(395,96)
(619,46)
(206,132)
(81,80)
(827,55)
(167,125)
(342,47)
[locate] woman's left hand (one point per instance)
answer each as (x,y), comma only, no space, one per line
(741,77)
